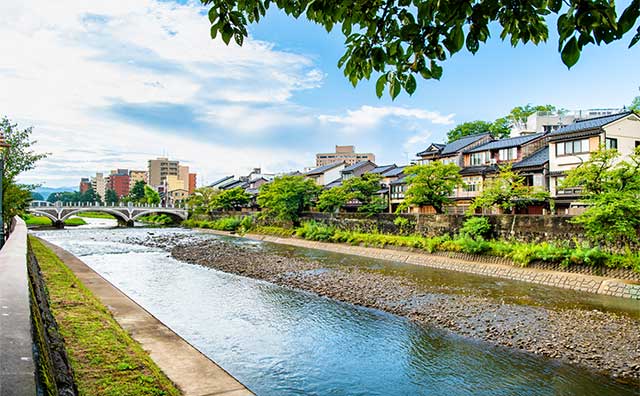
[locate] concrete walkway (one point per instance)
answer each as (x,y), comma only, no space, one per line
(188,368)
(17,370)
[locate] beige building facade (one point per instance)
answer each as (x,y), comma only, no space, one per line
(160,168)
(136,176)
(346,154)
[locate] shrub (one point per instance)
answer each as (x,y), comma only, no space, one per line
(275,231)
(315,231)
(476,227)
(227,223)
(585,255)
(246,224)
(473,246)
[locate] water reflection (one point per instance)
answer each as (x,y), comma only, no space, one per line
(285,342)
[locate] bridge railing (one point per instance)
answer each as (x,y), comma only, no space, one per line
(109,205)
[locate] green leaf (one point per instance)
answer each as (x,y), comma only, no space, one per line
(227,33)
(635,38)
(394,88)
(214,32)
(455,40)
(410,84)
(380,85)
(629,17)
(436,70)
(426,73)
(213,15)
(570,53)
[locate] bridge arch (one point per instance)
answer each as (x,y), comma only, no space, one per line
(172,213)
(115,213)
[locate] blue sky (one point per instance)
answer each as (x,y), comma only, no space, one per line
(111,85)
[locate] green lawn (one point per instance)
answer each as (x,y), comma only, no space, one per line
(45,221)
(105,359)
(95,215)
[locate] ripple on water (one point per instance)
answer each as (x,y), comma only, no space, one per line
(285,342)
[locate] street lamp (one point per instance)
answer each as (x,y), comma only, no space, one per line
(3,147)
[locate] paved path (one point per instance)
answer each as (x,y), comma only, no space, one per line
(190,370)
(17,371)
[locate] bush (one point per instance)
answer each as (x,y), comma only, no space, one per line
(227,223)
(476,227)
(315,231)
(473,246)
(275,231)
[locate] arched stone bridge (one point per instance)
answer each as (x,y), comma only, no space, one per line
(125,214)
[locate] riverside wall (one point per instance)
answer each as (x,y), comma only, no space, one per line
(523,228)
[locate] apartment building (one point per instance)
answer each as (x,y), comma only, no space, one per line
(192,183)
(119,182)
(85,185)
(99,184)
(346,154)
(160,168)
(136,176)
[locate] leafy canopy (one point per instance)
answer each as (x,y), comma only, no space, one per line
(635,105)
(612,189)
(403,39)
(151,196)
(19,157)
(230,199)
(361,189)
(111,197)
(201,201)
(137,192)
(431,184)
(508,191)
(286,197)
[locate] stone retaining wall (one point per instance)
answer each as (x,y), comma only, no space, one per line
(471,264)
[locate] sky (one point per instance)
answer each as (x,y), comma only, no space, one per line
(109,85)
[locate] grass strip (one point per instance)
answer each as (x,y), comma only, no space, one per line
(95,215)
(105,359)
(46,222)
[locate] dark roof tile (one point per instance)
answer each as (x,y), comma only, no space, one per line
(589,124)
(538,158)
(323,169)
(461,143)
(506,143)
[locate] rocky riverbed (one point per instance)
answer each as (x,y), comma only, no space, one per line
(602,341)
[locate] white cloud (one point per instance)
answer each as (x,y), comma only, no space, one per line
(68,62)
(369,117)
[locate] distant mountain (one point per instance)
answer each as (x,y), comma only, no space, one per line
(46,191)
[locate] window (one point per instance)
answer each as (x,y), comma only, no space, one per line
(508,154)
(478,158)
(612,143)
(572,147)
(448,161)
(637,143)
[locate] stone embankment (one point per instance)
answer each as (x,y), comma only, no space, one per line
(604,342)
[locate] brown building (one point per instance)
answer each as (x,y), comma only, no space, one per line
(119,182)
(136,176)
(346,154)
(85,184)
(192,182)
(159,169)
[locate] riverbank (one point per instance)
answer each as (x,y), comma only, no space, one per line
(135,371)
(604,342)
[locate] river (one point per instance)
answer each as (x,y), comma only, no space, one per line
(279,341)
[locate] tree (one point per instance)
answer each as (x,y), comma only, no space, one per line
(362,189)
(36,196)
(201,201)
(90,196)
(400,40)
(508,191)
(65,196)
(635,105)
(286,197)
(468,128)
(18,158)
(111,197)
(151,196)
(612,190)
(518,115)
(430,184)
(137,192)
(230,199)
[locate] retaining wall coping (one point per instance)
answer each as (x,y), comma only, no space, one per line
(17,369)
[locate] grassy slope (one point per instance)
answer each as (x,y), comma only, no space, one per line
(95,215)
(105,359)
(45,221)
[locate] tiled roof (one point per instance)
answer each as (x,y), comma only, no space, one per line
(461,143)
(437,146)
(505,143)
(323,169)
(382,168)
(478,170)
(234,184)
(335,183)
(224,179)
(399,180)
(394,172)
(356,166)
(589,124)
(538,158)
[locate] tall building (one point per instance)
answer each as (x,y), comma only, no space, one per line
(85,185)
(192,183)
(183,174)
(136,176)
(346,154)
(119,182)
(99,184)
(159,169)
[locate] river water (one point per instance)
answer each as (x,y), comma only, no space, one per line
(279,341)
